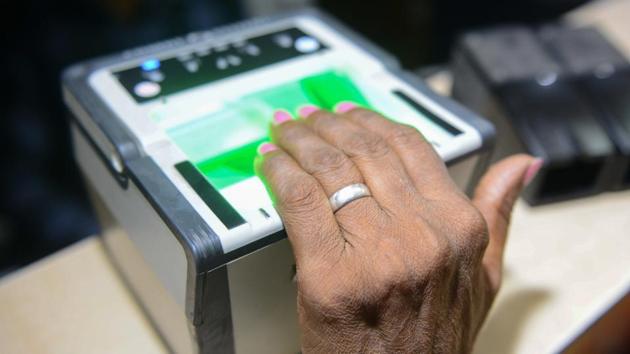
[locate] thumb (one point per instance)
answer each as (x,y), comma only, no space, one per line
(495,196)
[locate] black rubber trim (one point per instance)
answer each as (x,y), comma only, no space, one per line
(121,178)
(213,199)
(428,114)
(483,126)
(215,334)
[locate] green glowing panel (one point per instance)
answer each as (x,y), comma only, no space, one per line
(222,145)
(231,167)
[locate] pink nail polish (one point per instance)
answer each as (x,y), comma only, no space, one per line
(307,110)
(280,117)
(344,107)
(532,171)
(266,147)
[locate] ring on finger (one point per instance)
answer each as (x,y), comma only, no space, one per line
(348,194)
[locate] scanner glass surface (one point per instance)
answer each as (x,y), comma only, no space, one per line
(223,144)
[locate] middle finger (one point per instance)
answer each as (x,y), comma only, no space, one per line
(330,166)
(381,168)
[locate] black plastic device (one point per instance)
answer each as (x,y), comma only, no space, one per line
(602,75)
(556,93)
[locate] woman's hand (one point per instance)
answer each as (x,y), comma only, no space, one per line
(413,268)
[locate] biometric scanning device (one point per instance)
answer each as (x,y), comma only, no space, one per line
(166,135)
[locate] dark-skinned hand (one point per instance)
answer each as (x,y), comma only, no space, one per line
(413,268)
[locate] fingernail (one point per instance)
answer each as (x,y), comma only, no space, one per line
(344,107)
(307,110)
(266,147)
(280,117)
(532,171)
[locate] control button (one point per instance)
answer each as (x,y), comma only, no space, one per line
(222,63)
(239,43)
(185,57)
(234,60)
(306,44)
(193,37)
(150,65)
(547,78)
(153,75)
(252,49)
(147,89)
(221,48)
(192,66)
(283,40)
(203,52)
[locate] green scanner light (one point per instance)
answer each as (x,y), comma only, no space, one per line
(223,145)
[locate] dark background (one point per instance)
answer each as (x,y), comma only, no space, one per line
(42,202)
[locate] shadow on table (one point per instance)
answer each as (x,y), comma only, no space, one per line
(502,329)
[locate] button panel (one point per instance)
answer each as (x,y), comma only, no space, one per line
(204,65)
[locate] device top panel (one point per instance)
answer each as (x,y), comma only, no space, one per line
(206,64)
(200,111)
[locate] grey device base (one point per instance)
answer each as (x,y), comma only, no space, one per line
(242,301)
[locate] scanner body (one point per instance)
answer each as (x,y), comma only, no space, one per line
(165,136)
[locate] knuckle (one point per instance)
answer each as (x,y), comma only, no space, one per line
(405,135)
(471,218)
(482,238)
(474,231)
(362,144)
(479,242)
(326,160)
(442,254)
(291,130)
(329,299)
(272,165)
(319,119)
(363,114)
(395,275)
(320,114)
(475,222)
(337,303)
(436,255)
(300,195)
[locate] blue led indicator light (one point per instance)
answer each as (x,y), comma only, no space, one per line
(151,64)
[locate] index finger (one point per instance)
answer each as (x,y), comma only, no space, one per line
(302,204)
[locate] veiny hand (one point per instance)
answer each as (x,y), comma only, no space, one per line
(413,268)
